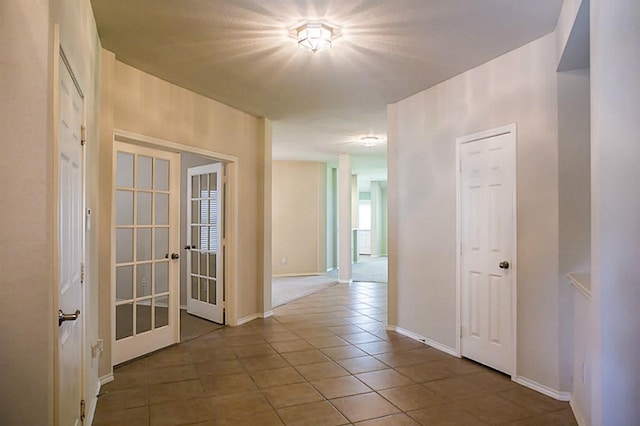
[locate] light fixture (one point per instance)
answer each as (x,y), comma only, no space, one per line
(315,36)
(370,141)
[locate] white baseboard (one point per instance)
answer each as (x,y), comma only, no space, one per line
(248,318)
(345,281)
(306,274)
(93,403)
(183,307)
(266,314)
(436,345)
(577,414)
(543,389)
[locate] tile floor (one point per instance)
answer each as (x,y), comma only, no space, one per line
(325,359)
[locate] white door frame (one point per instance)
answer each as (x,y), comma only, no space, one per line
(61,60)
(232,165)
(498,131)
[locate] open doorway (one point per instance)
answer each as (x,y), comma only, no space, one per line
(371,264)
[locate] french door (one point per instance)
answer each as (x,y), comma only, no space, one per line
(146,269)
(204,242)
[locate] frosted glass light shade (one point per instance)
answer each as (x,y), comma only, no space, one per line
(315,36)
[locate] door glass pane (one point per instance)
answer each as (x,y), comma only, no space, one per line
(161,243)
(143,316)
(124,245)
(212,265)
(195,243)
(195,212)
(213,238)
(143,280)
(194,262)
(162,175)
(162,209)
(162,311)
(195,186)
(162,277)
(204,185)
(194,288)
(144,208)
(213,209)
(124,207)
(203,289)
(124,173)
(203,264)
(212,292)
(143,244)
(204,240)
(143,172)
(124,283)
(213,181)
(124,321)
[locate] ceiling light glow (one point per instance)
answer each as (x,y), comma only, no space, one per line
(370,141)
(316,36)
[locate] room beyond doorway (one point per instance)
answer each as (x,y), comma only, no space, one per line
(372,269)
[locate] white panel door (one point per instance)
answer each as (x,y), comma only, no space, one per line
(486,212)
(70,248)
(146,267)
(204,243)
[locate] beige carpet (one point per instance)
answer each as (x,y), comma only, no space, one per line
(287,289)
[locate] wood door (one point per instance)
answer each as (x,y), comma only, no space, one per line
(204,242)
(146,267)
(70,164)
(487,213)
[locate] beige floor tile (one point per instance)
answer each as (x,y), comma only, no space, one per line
(276,377)
(364,407)
(249,351)
(384,379)
(411,357)
(393,420)
(412,397)
(362,364)
(292,346)
(279,336)
(425,372)
(321,370)
(345,329)
(305,357)
(131,417)
(175,391)
(219,367)
(494,409)
(456,388)
(459,366)
(175,355)
(362,337)
(327,342)
(268,362)
(557,418)
(533,400)
(344,352)
(311,333)
(229,407)
(121,399)
(176,373)
(130,379)
(296,394)
(224,385)
(340,386)
(445,415)
(203,353)
(180,412)
(317,413)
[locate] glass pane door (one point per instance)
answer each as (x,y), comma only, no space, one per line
(204,290)
(145,230)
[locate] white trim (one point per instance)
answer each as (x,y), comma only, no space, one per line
(543,389)
(498,131)
(183,307)
(266,314)
(93,402)
(309,274)
(436,345)
(345,281)
(247,319)
(577,414)
(107,378)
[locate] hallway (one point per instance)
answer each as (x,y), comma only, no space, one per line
(325,359)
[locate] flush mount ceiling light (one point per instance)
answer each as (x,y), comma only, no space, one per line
(315,36)
(370,141)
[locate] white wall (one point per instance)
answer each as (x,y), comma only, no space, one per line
(519,87)
(615,201)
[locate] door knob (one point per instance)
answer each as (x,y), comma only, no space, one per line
(62,317)
(504,265)
(175,256)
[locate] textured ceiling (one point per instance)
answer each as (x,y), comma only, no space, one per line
(238,52)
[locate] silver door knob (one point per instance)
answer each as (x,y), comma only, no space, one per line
(504,265)
(62,317)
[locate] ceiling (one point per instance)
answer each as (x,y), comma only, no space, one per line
(238,52)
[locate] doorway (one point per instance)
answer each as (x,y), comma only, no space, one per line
(487,242)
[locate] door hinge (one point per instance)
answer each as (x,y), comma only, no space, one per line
(83,135)
(83,409)
(82,272)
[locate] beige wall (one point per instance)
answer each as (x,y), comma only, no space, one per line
(142,104)
(519,87)
(26,169)
(299,217)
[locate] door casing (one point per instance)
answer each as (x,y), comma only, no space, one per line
(510,129)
